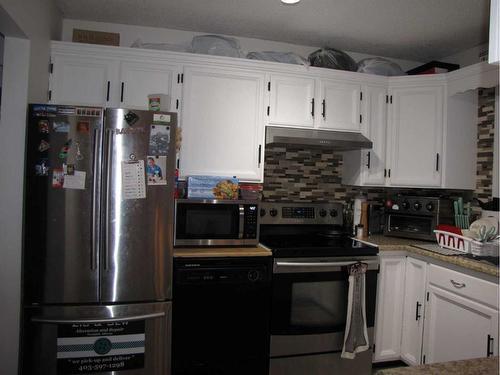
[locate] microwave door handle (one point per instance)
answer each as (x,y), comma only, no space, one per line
(241,209)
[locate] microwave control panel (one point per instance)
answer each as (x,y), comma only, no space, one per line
(250,224)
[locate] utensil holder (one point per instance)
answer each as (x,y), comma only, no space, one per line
(462,221)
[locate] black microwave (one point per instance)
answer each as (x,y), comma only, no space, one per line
(213,222)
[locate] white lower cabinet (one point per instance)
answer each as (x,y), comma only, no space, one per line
(389,314)
(461,319)
(428,313)
(413,314)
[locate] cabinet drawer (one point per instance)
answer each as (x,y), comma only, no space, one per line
(464,285)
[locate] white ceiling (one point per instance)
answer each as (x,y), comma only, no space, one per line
(419,30)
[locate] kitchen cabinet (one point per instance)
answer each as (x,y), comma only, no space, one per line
(415,135)
(367,167)
(222,126)
(340,104)
(138,79)
(389,313)
(413,311)
(458,328)
(461,319)
(291,100)
(307,102)
(109,82)
(82,80)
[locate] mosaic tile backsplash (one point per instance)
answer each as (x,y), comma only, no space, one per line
(295,174)
(485,135)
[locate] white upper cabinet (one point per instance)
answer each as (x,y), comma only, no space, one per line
(292,100)
(413,314)
(81,80)
(339,103)
(494,43)
(222,126)
(140,79)
(416,135)
(367,167)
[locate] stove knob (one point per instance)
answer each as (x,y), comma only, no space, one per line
(405,205)
(333,213)
(429,206)
(273,212)
(253,275)
(262,212)
(417,205)
(322,212)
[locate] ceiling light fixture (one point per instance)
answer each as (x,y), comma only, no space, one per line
(290,2)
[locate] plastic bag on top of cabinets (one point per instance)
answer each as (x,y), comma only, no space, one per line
(216,45)
(380,66)
(333,59)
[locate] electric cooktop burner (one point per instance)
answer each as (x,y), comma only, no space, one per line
(308,230)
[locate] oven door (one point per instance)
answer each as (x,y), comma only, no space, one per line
(208,223)
(411,226)
(310,303)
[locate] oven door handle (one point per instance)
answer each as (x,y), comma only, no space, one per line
(301,267)
(323,264)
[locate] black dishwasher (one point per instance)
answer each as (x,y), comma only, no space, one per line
(220,316)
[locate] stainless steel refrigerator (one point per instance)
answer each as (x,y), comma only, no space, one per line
(97,262)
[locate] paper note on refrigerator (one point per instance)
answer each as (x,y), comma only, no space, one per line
(133,180)
(75,180)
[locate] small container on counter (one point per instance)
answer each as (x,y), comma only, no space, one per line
(360,231)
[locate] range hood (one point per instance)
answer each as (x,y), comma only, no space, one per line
(310,138)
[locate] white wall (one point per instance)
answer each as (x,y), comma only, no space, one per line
(130,33)
(28,26)
(40,21)
(467,57)
(12,130)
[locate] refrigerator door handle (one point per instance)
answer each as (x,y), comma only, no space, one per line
(80,321)
(109,153)
(95,207)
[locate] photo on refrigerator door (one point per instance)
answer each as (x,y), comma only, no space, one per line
(156,169)
(159,139)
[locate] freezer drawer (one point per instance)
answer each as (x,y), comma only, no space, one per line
(129,339)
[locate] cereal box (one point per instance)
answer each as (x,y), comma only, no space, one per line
(212,187)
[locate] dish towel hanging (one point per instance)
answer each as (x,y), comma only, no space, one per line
(356,334)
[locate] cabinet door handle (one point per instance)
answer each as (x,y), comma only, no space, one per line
(368,155)
(417,311)
(107,91)
(323,113)
(312,107)
(489,351)
(457,284)
(121,95)
(437,162)
(260,155)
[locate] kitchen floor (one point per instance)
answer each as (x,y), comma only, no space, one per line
(384,366)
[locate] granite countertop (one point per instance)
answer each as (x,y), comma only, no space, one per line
(477,366)
(404,244)
(196,252)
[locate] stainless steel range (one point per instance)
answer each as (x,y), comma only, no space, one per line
(310,288)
